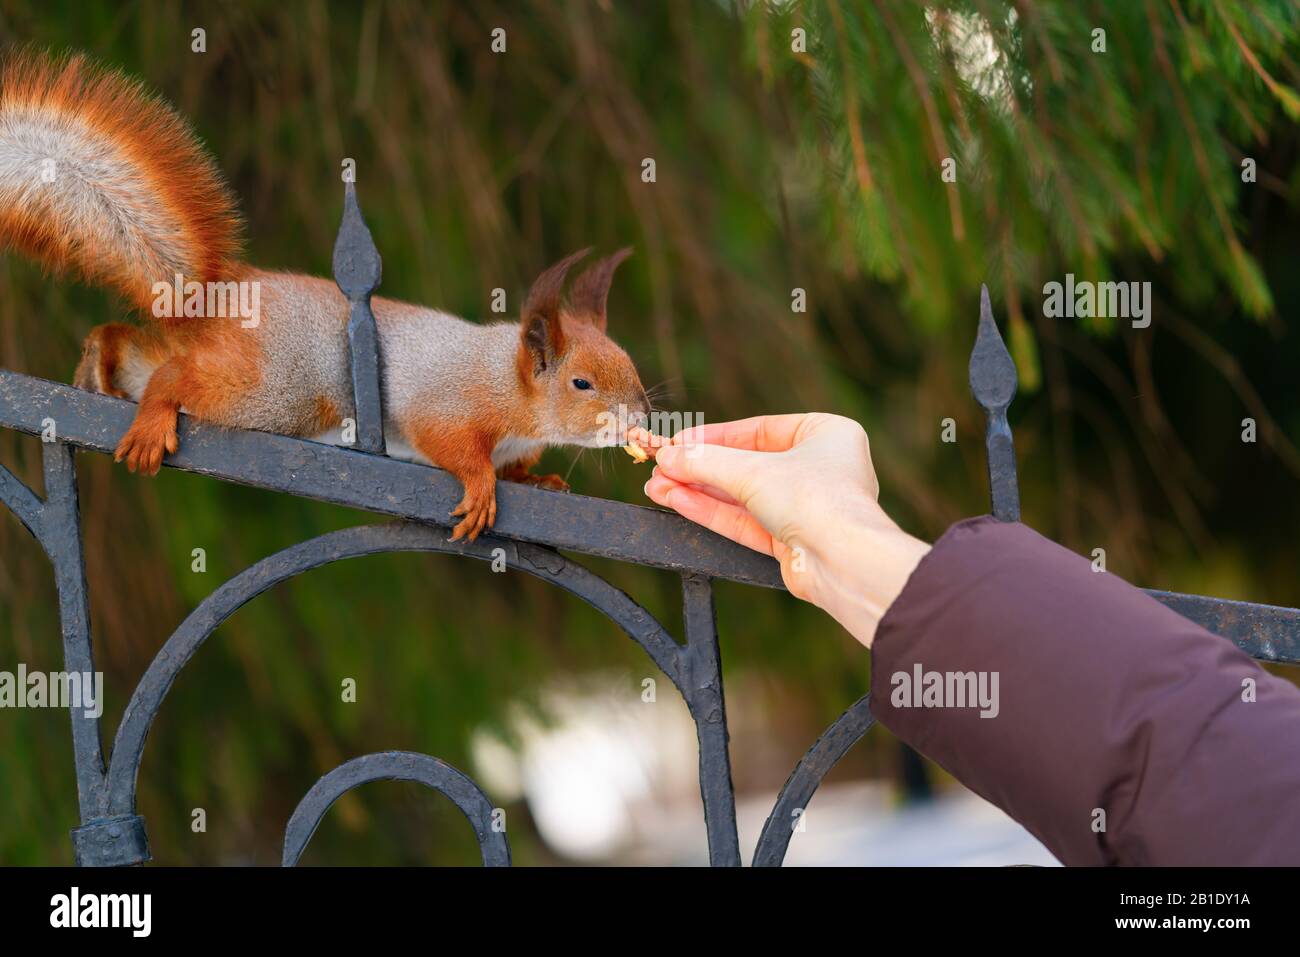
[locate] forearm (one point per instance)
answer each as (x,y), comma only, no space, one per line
(1116,731)
(870,561)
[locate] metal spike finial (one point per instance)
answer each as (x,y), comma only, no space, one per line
(993,383)
(357,265)
(992,370)
(357,271)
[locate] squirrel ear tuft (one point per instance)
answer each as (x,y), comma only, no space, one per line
(590,291)
(541,333)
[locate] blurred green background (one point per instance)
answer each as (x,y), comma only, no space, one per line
(777,169)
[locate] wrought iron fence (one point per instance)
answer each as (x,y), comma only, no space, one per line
(532,528)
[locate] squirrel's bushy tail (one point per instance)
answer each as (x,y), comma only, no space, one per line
(101,177)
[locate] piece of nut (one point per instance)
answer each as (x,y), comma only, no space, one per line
(638,454)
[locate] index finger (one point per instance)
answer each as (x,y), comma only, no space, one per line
(761,433)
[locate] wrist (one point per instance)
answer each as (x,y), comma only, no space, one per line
(870,562)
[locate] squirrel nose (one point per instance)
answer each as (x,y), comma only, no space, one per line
(642,411)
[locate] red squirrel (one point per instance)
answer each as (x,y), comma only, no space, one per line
(102,178)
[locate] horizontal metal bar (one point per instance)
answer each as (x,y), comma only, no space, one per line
(577,523)
(375,483)
(1266,632)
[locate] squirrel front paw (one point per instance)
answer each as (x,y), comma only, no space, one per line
(479,511)
(552,481)
(150,437)
(519,474)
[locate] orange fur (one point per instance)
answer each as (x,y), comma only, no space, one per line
(102,353)
(210,367)
(466,452)
(153,433)
(327,414)
(145,134)
(222,362)
(519,472)
(136,201)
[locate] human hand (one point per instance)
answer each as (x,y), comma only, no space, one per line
(802,489)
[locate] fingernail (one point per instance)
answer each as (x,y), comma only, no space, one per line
(666,455)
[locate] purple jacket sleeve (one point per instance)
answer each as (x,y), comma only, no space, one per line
(1115,730)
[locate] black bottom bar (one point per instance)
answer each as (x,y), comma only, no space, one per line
(914,908)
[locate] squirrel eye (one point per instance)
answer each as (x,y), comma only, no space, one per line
(581,384)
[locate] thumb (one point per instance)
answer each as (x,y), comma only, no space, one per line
(723,468)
